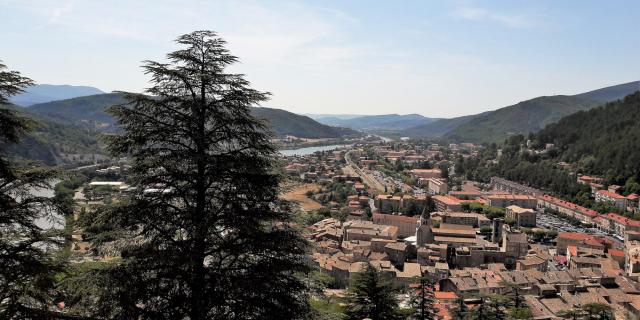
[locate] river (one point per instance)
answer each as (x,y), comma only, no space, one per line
(54,221)
(310,150)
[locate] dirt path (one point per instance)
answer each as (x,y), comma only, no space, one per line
(298,194)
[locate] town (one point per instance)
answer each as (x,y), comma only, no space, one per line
(319,160)
(400,207)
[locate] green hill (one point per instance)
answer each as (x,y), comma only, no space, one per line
(437,128)
(602,141)
(288,123)
(88,113)
(54,143)
(521,118)
(527,116)
(611,93)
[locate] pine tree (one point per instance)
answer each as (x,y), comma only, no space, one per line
(598,311)
(25,267)
(371,295)
(423,301)
(213,244)
(460,311)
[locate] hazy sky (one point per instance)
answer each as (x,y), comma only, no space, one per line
(435,58)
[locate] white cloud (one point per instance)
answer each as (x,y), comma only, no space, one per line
(59,12)
(481,14)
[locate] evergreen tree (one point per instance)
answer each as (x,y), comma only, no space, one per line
(573,314)
(371,295)
(514,293)
(598,311)
(423,301)
(213,246)
(25,267)
(460,311)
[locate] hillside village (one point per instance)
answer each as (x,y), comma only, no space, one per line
(400,207)
(319,160)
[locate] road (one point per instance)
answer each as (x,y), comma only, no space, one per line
(366,178)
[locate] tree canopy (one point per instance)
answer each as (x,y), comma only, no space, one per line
(26,269)
(212,243)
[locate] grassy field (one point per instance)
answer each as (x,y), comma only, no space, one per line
(298,195)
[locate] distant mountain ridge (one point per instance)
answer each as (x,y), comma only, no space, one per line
(379,122)
(521,118)
(41,93)
(89,113)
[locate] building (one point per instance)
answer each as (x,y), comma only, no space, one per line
(566,208)
(367,230)
(632,258)
(437,186)
(616,224)
(387,203)
(532,262)
(473,219)
(515,244)
(612,198)
(505,200)
(406,225)
(454,235)
(523,217)
(426,173)
(513,187)
(566,239)
(447,203)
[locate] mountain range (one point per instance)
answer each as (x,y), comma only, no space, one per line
(378,122)
(68,128)
(89,113)
(524,117)
(40,93)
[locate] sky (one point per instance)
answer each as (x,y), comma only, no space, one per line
(435,58)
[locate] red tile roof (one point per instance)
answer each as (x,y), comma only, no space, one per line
(616,253)
(570,205)
(610,194)
(574,236)
(448,200)
(620,219)
(445,295)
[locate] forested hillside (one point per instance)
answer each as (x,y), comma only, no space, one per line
(527,116)
(521,118)
(603,141)
(288,123)
(89,113)
(54,143)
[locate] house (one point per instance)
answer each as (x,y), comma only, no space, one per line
(566,208)
(612,198)
(505,200)
(437,186)
(406,225)
(532,262)
(566,239)
(472,219)
(614,223)
(426,173)
(523,217)
(447,203)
